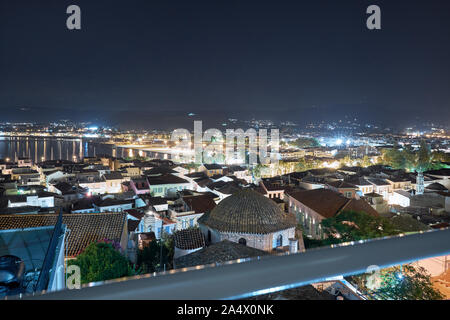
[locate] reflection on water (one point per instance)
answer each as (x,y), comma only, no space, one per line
(39,149)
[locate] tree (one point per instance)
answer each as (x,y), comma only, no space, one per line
(354,226)
(101,261)
(423,161)
(305,143)
(365,161)
(345,161)
(407,158)
(303,165)
(256,170)
(440,156)
(192,166)
(149,258)
(394,157)
(404,282)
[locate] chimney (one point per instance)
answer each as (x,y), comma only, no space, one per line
(293,245)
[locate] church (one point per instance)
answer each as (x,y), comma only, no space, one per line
(249,218)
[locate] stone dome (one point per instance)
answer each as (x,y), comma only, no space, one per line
(247,211)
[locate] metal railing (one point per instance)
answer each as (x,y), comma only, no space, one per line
(44,275)
(251,277)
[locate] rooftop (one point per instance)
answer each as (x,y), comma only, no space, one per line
(329,203)
(247,211)
(189,239)
(84,228)
(218,253)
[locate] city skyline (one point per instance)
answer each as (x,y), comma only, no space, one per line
(144,64)
(230,150)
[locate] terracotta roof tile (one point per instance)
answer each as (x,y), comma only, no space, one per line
(85,228)
(248,211)
(189,239)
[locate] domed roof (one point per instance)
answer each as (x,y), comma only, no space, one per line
(248,211)
(436,186)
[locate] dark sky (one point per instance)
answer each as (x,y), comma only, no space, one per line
(149,63)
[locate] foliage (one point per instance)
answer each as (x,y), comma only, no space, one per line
(399,283)
(423,157)
(256,170)
(101,261)
(365,162)
(192,165)
(353,226)
(346,161)
(137,158)
(304,142)
(408,159)
(149,258)
(394,157)
(316,243)
(406,223)
(440,156)
(304,165)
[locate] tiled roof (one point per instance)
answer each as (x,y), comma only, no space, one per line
(200,204)
(189,239)
(358,206)
(213,166)
(84,203)
(195,175)
(217,253)
(108,202)
(202,182)
(358,181)
(373,195)
(159,171)
(225,187)
(84,228)
(323,201)
(138,214)
(436,186)
(378,181)
(398,179)
(247,211)
(235,168)
(64,187)
(154,201)
(115,175)
(133,225)
(272,187)
(341,185)
(165,179)
(329,203)
(440,172)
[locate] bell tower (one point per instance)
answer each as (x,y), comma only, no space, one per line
(420,183)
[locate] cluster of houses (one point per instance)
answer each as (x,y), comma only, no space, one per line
(214,213)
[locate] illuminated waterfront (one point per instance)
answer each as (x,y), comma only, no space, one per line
(38,149)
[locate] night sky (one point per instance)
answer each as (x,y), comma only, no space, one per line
(147,63)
